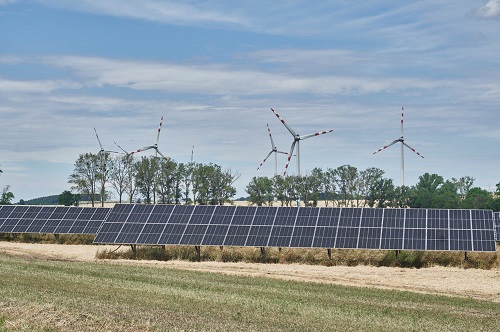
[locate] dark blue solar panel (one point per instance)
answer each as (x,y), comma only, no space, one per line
(302,237)
(219,225)
(115,220)
(155,224)
(348,229)
(325,237)
(172,233)
(181,214)
(329,217)
(392,229)
(416,218)
(414,239)
(41,218)
(237,235)
(370,229)
(482,234)
(198,224)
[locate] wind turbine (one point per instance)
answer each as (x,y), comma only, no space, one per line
(273,150)
(155,146)
(296,141)
(103,154)
(100,144)
(401,139)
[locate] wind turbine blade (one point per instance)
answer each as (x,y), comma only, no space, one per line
(409,147)
(161,154)
(402,117)
(316,134)
(273,146)
(289,156)
(98,140)
(143,149)
(388,145)
(192,153)
(282,152)
(120,148)
(262,163)
(159,129)
(284,123)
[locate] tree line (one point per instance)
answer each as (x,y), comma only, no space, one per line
(151,179)
(154,179)
(348,186)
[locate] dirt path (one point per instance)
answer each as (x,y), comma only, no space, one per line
(471,283)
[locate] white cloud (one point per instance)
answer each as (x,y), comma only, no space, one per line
(6,2)
(224,80)
(489,10)
(16,86)
(168,12)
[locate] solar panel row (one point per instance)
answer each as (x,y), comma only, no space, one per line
(349,228)
(497,225)
(51,219)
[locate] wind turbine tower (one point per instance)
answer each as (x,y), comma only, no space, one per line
(401,140)
(296,142)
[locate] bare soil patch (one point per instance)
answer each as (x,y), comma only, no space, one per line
(469,283)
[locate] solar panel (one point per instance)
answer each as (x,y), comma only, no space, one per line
(50,219)
(497,221)
(305,227)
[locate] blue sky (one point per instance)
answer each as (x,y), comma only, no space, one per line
(214,69)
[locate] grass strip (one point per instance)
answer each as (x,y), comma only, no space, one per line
(38,295)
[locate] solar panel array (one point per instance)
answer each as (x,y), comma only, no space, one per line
(299,227)
(497,225)
(51,219)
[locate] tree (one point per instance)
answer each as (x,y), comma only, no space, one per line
(105,167)
(146,177)
(463,185)
(84,177)
(67,198)
(7,196)
(119,175)
(446,196)
(260,191)
(478,198)
(346,181)
(422,195)
(165,186)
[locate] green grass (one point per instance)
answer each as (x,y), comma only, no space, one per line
(38,295)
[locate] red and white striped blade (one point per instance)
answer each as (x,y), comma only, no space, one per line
(284,123)
(316,134)
(143,149)
(409,147)
(386,146)
(402,120)
(289,157)
(262,163)
(271,138)
(159,129)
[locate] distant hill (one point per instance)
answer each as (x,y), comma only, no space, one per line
(47,200)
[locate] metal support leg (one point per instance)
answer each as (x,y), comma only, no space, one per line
(198,252)
(262,251)
(329,253)
(134,248)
